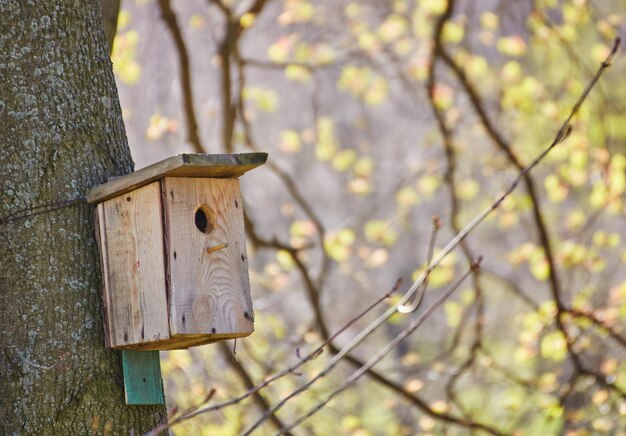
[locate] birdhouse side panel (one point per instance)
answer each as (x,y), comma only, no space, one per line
(131,233)
(209,285)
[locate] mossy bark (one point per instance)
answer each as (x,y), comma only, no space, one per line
(61,133)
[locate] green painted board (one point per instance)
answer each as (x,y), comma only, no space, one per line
(142,377)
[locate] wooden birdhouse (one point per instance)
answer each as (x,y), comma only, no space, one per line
(173,253)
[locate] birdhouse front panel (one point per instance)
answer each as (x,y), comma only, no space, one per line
(172,245)
(209,289)
(131,240)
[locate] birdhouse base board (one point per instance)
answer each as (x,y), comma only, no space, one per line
(181,342)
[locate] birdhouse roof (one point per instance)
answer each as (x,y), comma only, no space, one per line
(183,165)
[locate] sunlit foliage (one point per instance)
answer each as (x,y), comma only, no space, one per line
(338,93)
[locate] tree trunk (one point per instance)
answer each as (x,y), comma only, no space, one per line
(110,11)
(61,133)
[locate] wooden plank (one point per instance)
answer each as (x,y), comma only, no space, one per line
(143,384)
(182,165)
(104,266)
(209,289)
(135,295)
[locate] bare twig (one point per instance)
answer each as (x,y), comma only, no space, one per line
(259,399)
(169,18)
(560,136)
(291,187)
(450,178)
(414,303)
(198,409)
(380,355)
(229,45)
(599,323)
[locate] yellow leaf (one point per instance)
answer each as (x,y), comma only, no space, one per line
(453,32)
(468,189)
(453,311)
(443,96)
(327,144)
(265,99)
(553,346)
(489,20)
(297,73)
(338,244)
(434,7)
(407,196)
(380,231)
(290,141)
(247,20)
(344,160)
(296,11)
(513,46)
(123,57)
(392,28)
(285,260)
(363,167)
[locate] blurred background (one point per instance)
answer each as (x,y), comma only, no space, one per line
(377,116)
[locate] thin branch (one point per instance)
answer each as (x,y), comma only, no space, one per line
(414,399)
(371,372)
(227,48)
(260,401)
(560,136)
(414,303)
(598,322)
(501,143)
(169,18)
(288,182)
(450,178)
(378,356)
(198,409)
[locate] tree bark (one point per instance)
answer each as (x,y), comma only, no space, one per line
(61,133)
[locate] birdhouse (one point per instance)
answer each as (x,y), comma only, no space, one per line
(173,252)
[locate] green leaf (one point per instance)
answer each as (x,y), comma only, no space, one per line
(124,55)
(467,190)
(434,7)
(298,73)
(285,260)
(380,231)
(338,244)
(453,311)
(557,191)
(553,346)
(407,197)
(427,185)
(453,32)
(392,28)
(513,46)
(344,160)
(489,20)
(296,11)
(265,99)
(327,144)
(290,141)
(363,167)
(364,84)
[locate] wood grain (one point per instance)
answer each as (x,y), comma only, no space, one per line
(182,165)
(131,234)
(209,290)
